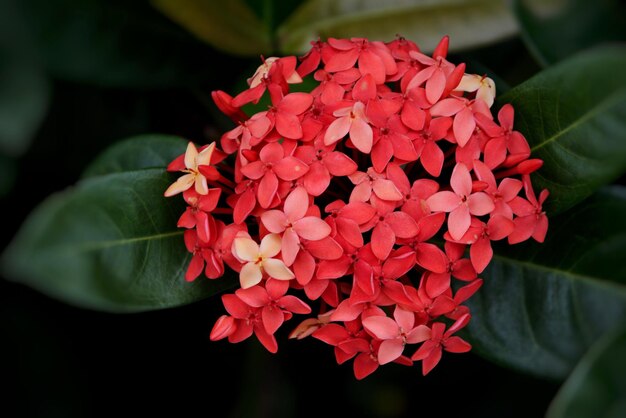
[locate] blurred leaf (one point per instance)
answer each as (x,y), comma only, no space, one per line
(597,386)
(24,100)
(230,26)
(8,172)
(556,29)
(111,242)
(109,43)
(273,12)
(574,117)
(137,153)
(469,23)
(543,305)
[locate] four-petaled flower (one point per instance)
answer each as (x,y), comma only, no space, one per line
(259,259)
(193,177)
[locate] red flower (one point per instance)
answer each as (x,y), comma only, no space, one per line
(460,202)
(430,352)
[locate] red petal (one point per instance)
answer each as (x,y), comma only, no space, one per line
(325,249)
(390,350)
(364,366)
(350,231)
(195,267)
(290,168)
(431,361)
(359,212)
(303,267)
(481,254)
(383,239)
(436,284)
(295,103)
(267,189)
(317,179)
(402,224)
(382,327)
(435,86)
(288,125)
(361,135)
(457,345)
(364,89)
(463,126)
(431,258)
(459,222)
(339,164)
(370,63)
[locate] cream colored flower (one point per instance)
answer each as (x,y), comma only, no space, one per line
(193,160)
(484,87)
(260,259)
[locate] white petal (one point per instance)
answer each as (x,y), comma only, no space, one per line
(270,245)
(201,185)
(245,249)
(469,83)
(250,275)
(180,185)
(190,155)
(277,269)
(204,158)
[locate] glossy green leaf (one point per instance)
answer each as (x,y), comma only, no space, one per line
(230,26)
(108,43)
(24,99)
(469,23)
(543,305)
(555,29)
(110,242)
(574,117)
(597,386)
(136,153)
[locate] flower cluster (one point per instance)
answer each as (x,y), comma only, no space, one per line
(374,196)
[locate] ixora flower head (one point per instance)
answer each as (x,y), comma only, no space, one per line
(367,204)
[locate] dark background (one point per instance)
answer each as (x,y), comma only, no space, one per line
(61,361)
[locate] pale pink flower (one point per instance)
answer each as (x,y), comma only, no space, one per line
(193,177)
(260,259)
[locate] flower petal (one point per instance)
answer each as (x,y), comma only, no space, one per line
(250,275)
(361,135)
(459,222)
(274,220)
(296,204)
(277,269)
(390,350)
(445,201)
(290,168)
(245,249)
(382,327)
(337,130)
(312,228)
(270,245)
(183,183)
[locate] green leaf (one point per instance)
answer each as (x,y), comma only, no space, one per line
(555,29)
(136,153)
(543,305)
(574,117)
(469,23)
(111,242)
(597,386)
(24,99)
(230,26)
(108,43)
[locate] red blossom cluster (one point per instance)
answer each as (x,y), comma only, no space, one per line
(366,195)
